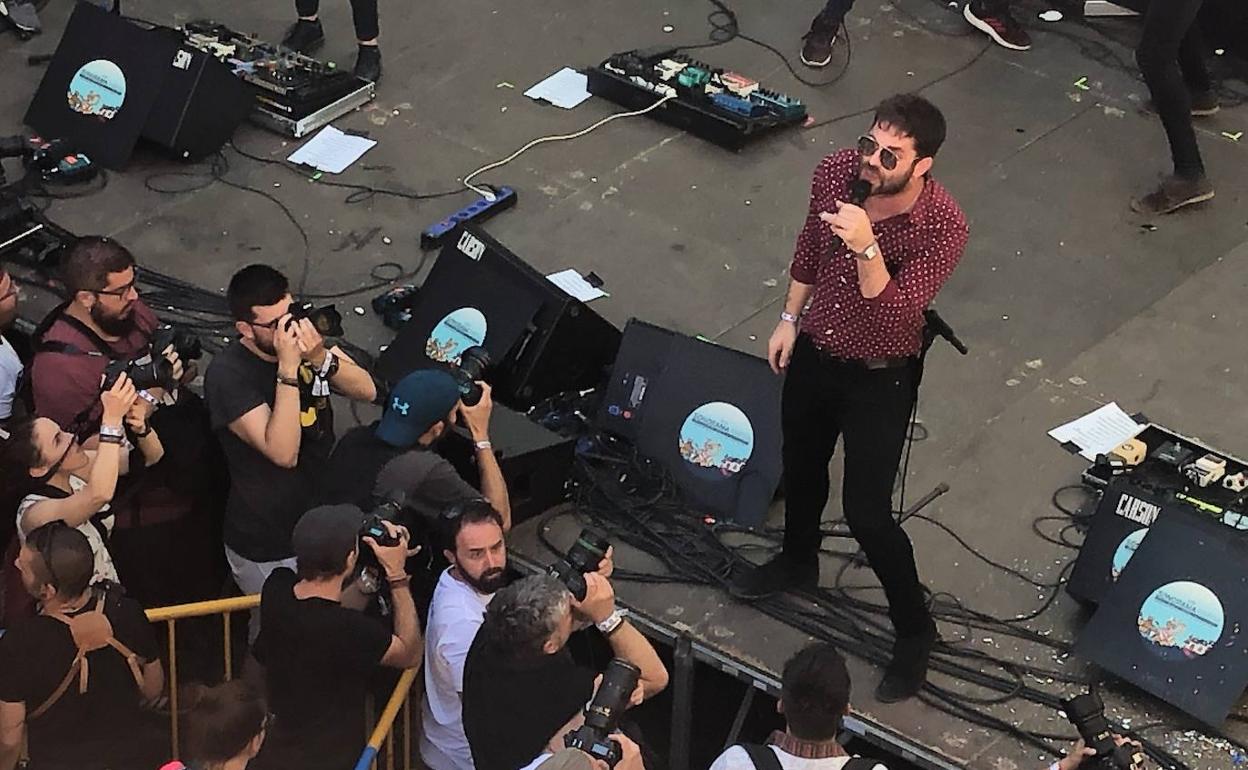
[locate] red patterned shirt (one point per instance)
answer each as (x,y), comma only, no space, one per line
(920,248)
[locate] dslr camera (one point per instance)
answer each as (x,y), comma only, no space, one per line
(472,365)
(1087,713)
(373,526)
(152,369)
(326,320)
(602,713)
(584,556)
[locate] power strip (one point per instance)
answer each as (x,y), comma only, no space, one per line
(478,211)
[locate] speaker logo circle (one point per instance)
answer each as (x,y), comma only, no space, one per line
(98,88)
(1125,550)
(716,440)
(455,333)
(1181,620)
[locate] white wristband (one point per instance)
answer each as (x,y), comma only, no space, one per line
(789,317)
(483,446)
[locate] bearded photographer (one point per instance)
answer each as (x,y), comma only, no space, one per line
(163,513)
(318,655)
(521,649)
(268,394)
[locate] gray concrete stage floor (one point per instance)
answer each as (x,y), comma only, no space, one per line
(1066,298)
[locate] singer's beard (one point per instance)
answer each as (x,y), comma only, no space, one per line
(882,184)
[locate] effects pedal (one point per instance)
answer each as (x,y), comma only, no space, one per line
(1207,470)
(1236,482)
(1128,453)
(477,212)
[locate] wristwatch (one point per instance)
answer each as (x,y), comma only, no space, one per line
(871,252)
(610,623)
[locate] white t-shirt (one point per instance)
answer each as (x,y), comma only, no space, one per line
(10,373)
(735,758)
(455,613)
(104,569)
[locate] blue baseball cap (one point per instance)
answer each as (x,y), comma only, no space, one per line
(417,403)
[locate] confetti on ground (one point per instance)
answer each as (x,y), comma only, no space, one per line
(1082,83)
(504,84)
(1235,137)
(1051,15)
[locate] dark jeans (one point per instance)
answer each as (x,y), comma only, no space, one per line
(829,19)
(870,411)
(363,13)
(1171,58)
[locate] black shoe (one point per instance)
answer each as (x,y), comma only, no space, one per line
(304,36)
(780,574)
(22,15)
(368,63)
(907,671)
(817,48)
(1204,104)
(1172,194)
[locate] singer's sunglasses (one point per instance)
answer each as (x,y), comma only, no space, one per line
(867,147)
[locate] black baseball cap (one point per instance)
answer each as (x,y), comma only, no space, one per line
(324,536)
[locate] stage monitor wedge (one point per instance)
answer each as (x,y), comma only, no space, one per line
(710,414)
(101,84)
(1174,622)
(200,105)
(565,346)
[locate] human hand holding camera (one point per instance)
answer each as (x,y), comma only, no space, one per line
(599,601)
(116,401)
(476,418)
(1081,751)
(286,344)
(392,558)
(311,343)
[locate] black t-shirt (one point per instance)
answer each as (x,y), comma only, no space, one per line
(363,469)
(511,712)
(265,501)
(103,727)
(318,657)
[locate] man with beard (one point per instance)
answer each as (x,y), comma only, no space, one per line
(473,540)
(268,398)
(161,511)
(849,338)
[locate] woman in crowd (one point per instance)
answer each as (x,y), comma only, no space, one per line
(225,727)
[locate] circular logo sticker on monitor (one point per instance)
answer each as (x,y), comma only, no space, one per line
(717,440)
(97,88)
(1181,620)
(1125,550)
(458,331)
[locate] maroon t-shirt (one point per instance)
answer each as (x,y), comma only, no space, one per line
(66,386)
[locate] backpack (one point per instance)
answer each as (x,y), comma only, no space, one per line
(765,759)
(91,631)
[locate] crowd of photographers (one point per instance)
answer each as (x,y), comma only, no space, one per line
(126,491)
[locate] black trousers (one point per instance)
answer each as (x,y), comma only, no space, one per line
(829,19)
(1171,56)
(870,410)
(363,13)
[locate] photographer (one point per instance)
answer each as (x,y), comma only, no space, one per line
(64,482)
(395,453)
(268,394)
(522,689)
(1080,751)
(318,655)
(163,513)
(11,366)
(814,697)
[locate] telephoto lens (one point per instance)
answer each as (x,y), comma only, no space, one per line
(602,713)
(1087,713)
(588,551)
(472,365)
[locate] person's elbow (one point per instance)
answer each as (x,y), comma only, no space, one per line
(153,681)
(288,459)
(656,681)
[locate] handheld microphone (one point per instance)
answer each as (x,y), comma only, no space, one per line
(859,191)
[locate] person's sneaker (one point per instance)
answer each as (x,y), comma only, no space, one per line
(22,15)
(1204,104)
(907,671)
(368,63)
(1172,194)
(1003,28)
(780,574)
(817,47)
(304,36)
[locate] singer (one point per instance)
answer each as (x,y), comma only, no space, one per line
(848,339)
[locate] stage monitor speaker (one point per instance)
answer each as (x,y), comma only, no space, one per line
(1126,511)
(101,84)
(566,346)
(199,105)
(1176,621)
(710,414)
(536,463)
(460,306)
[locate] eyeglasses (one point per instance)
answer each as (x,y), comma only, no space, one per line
(867,146)
(271,325)
(120,291)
